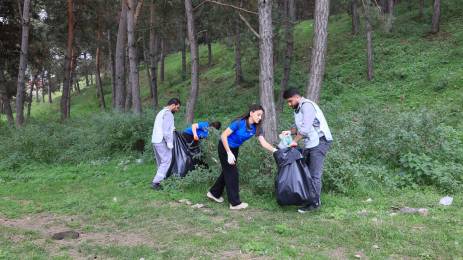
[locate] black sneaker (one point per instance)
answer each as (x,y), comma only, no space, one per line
(308,208)
(156,186)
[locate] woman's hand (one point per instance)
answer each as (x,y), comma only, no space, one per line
(231,158)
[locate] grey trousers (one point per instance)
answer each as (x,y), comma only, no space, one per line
(315,158)
(163,157)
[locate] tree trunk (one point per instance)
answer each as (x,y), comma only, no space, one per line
(43,86)
(369,32)
(86,70)
(320,42)
(289,19)
(238,69)
(120,59)
(266,69)
(190,109)
(355,17)
(128,85)
(65,102)
(37,94)
(133,58)
(31,96)
(421,10)
(209,50)
(183,56)
(21,87)
(113,71)
(390,16)
(50,100)
(147,64)
(5,102)
(153,57)
(163,54)
(436,17)
(99,86)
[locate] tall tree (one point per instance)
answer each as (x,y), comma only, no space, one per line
(266,69)
(99,85)
(436,17)
(390,15)
(162,59)
(21,88)
(133,57)
(112,68)
(190,109)
(120,58)
(66,95)
(289,13)
(369,37)
(355,17)
(320,42)
(5,101)
(238,69)
(153,56)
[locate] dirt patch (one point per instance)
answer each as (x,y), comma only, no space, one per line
(237,254)
(46,225)
(338,253)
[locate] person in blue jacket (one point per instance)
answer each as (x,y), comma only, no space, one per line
(199,131)
(239,131)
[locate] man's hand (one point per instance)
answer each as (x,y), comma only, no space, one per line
(170,146)
(293,144)
(286,133)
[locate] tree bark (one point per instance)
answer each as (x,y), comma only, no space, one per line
(390,16)
(238,69)
(421,10)
(65,98)
(355,17)
(369,33)
(21,87)
(153,57)
(163,54)
(190,109)
(146,59)
(209,50)
(120,59)
(30,97)
(133,58)
(128,85)
(42,78)
(50,100)
(266,69)
(99,85)
(87,83)
(112,70)
(436,17)
(289,19)
(5,101)
(184,56)
(320,42)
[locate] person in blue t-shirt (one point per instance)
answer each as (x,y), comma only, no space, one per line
(239,131)
(199,131)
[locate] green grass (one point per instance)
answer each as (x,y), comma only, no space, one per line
(108,199)
(413,70)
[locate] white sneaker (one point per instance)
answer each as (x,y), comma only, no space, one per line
(243,205)
(210,196)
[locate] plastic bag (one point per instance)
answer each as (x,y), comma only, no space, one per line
(285,141)
(182,161)
(293,184)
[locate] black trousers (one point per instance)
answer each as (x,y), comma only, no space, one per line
(229,177)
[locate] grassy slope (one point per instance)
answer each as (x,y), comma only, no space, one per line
(410,69)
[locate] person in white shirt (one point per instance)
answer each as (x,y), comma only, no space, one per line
(312,128)
(162,140)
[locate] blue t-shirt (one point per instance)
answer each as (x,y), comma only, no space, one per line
(202,130)
(241,133)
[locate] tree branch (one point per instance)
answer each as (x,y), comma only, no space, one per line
(228,5)
(249,25)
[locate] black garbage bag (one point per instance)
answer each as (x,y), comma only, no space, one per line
(293,184)
(182,161)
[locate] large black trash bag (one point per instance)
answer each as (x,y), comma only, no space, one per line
(182,161)
(293,184)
